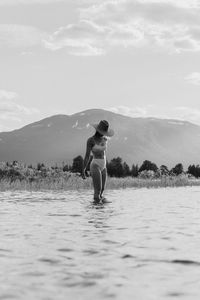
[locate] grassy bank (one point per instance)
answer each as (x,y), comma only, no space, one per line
(74,182)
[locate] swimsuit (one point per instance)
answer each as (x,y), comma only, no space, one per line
(100,162)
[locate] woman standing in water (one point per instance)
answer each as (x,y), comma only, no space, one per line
(97,144)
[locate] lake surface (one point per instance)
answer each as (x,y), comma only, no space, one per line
(58,245)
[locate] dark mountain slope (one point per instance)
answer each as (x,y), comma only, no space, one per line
(61,137)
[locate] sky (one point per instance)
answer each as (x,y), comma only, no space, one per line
(140,58)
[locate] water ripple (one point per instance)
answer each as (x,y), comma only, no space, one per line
(60,245)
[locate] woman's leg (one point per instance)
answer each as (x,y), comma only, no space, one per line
(104,177)
(97,181)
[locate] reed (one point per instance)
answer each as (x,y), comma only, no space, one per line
(75,182)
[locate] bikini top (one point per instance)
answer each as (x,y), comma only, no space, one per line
(100,147)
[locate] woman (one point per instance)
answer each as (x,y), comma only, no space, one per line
(97,144)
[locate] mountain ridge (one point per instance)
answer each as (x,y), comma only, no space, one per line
(59,138)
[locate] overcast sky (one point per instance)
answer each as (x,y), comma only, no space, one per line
(136,57)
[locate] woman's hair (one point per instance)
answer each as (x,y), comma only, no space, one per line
(98,134)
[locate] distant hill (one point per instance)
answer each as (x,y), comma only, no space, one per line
(61,137)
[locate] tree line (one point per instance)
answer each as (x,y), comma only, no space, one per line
(116,167)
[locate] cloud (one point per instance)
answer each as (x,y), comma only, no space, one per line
(19,36)
(29,2)
(180,113)
(172,26)
(134,112)
(8,95)
(10,109)
(27,53)
(165,25)
(193,78)
(179,3)
(188,114)
(84,38)
(11,113)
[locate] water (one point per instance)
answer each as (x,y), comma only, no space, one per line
(58,245)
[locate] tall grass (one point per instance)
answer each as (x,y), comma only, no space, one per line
(75,182)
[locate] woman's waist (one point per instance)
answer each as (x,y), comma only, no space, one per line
(98,153)
(100,158)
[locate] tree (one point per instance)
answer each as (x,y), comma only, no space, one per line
(194,170)
(115,167)
(65,168)
(148,166)
(77,165)
(126,170)
(134,170)
(40,166)
(164,170)
(178,169)
(15,163)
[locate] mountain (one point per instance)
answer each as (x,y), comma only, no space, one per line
(60,138)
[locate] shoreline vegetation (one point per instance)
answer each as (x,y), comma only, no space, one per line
(17,176)
(77,183)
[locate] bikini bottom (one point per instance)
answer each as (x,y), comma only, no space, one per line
(100,162)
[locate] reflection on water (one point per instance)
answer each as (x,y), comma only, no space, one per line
(59,245)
